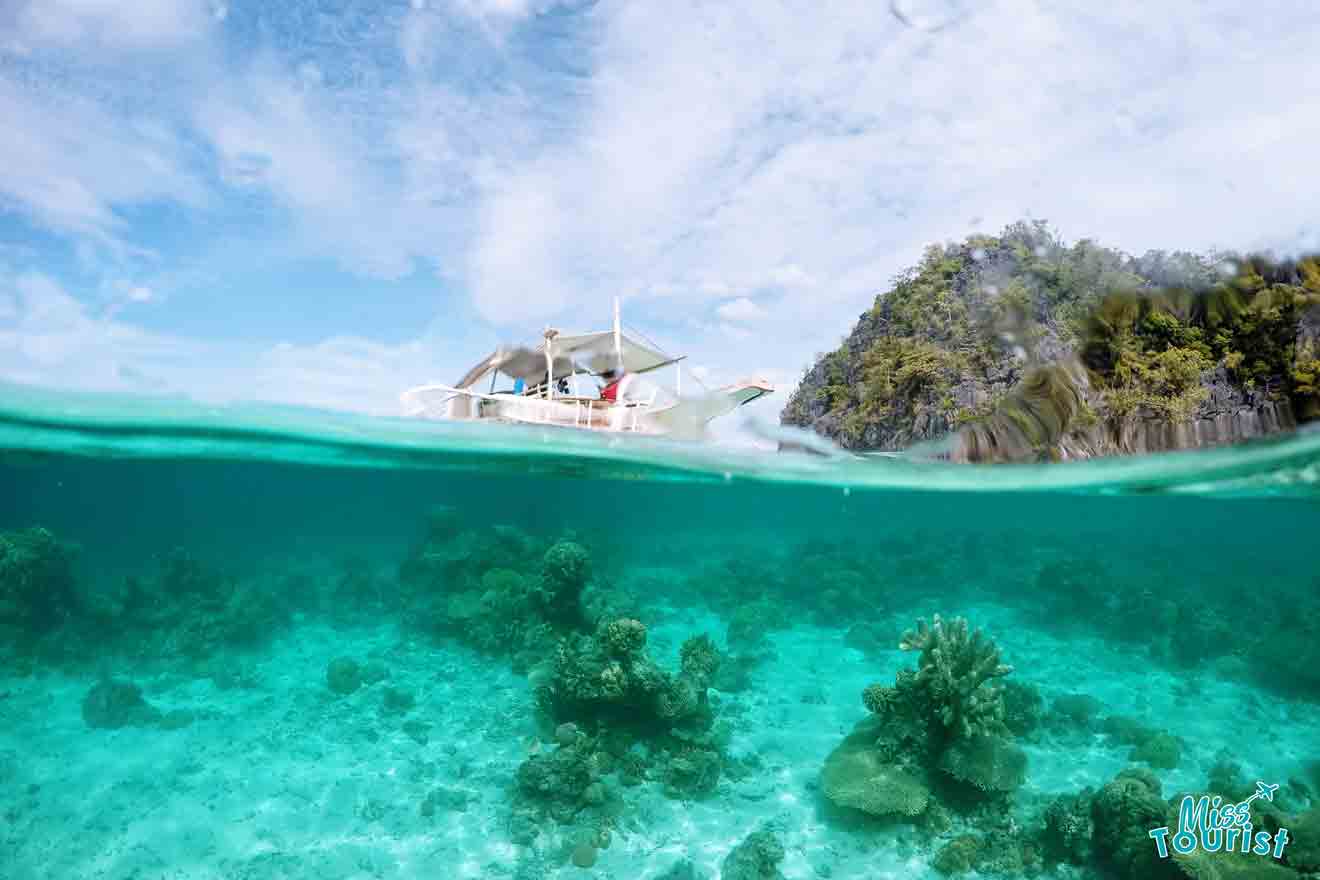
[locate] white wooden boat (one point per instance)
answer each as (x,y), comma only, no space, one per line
(560,381)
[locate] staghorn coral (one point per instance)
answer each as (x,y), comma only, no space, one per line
(954,672)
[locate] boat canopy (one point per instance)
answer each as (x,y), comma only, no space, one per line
(582,352)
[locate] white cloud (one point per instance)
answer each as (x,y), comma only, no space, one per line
(114,24)
(69,163)
(288,141)
(49,337)
(816,147)
(741,311)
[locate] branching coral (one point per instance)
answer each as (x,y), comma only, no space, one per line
(942,722)
(954,672)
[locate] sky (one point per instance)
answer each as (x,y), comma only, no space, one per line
(323,203)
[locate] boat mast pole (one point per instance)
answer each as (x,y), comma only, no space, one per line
(550,334)
(618,336)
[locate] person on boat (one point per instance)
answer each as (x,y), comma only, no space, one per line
(616,385)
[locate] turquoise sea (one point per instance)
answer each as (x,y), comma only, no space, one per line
(258,643)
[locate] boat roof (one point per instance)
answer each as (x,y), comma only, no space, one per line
(575,352)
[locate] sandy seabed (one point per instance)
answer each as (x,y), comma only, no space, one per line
(278,777)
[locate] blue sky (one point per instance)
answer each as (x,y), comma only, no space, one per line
(325,202)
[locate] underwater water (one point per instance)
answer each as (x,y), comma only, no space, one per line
(253,643)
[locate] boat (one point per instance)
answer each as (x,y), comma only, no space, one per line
(559,382)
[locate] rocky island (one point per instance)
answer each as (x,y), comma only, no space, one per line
(1020,347)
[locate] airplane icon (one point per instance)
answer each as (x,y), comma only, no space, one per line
(1262,791)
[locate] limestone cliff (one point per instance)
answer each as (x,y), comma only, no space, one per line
(1020,347)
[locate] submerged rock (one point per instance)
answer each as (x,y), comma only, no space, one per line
(112,704)
(343,676)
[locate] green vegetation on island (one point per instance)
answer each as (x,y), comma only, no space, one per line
(1028,348)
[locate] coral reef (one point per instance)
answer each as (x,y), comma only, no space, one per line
(608,679)
(937,729)
(990,763)
(612,710)
(1124,811)
(756,858)
(996,854)
(186,607)
(37,588)
(557,783)
(856,776)
(1109,829)
(500,590)
(1069,829)
(1161,750)
(954,675)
